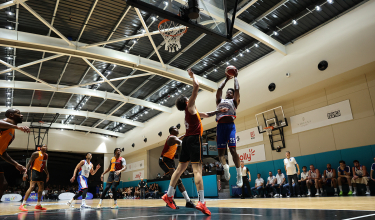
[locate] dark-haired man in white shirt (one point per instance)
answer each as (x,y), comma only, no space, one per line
(290,164)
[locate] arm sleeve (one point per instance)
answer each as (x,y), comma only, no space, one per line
(123,161)
(295,161)
(348,169)
(373,166)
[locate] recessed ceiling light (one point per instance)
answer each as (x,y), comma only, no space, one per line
(318,8)
(294,22)
(275,33)
(330,1)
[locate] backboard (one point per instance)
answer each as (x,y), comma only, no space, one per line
(274,117)
(213,20)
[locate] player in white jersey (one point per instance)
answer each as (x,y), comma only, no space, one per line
(85,167)
(314,179)
(360,176)
(329,178)
(226,129)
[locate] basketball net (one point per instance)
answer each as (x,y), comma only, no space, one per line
(171,32)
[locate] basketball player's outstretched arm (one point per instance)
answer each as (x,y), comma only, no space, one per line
(210,114)
(106,171)
(219,91)
(191,104)
(236,95)
(7,125)
(10,160)
(28,165)
(173,140)
(92,171)
(79,165)
(122,170)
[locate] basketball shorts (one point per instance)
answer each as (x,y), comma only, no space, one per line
(82,182)
(191,149)
(37,176)
(112,177)
(165,163)
(362,180)
(226,135)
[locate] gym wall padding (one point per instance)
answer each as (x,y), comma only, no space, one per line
(365,155)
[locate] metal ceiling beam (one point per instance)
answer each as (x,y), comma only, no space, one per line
(25,73)
(8,4)
(87,114)
(54,45)
(81,128)
(81,91)
(110,80)
(40,18)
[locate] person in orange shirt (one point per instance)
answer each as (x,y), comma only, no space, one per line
(7,135)
(37,164)
(166,161)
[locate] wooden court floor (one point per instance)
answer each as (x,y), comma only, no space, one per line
(321,203)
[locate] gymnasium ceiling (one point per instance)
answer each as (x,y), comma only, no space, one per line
(94,21)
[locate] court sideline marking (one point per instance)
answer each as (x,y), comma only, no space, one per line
(182,214)
(362,216)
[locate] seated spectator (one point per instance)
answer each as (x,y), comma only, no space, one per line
(314,179)
(372,172)
(280,181)
(207,167)
(343,172)
(257,189)
(303,180)
(157,191)
(137,192)
(360,176)
(158,176)
(329,178)
(271,180)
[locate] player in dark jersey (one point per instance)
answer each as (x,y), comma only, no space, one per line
(166,161)
(8,126)
(116,166)
(226,129)
(37,165)
(191,146)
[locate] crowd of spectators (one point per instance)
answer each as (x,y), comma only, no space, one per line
(134,192)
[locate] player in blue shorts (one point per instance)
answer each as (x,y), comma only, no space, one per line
(85,168)
(226,129)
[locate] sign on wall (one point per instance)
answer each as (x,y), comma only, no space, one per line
(328,115)
(250,155)
(11,198)
(248,136)
(135,166)
(138,175)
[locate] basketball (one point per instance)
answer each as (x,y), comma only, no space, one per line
(231,71)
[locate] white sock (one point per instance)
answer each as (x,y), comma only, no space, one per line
(186,196)
(355,189)
(83,201)
(239,171)
(38,203)
(115,202)
(100,201)
(321,190)
(170,192)
(70,201)
(351,188)
(24,202)
(309,190)
(317,190)
(340,187)
(335,190)
(368,188)
(201,196)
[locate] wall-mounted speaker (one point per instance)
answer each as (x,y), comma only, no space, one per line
(323,65)
(271,87)
(133,145)
(160,134)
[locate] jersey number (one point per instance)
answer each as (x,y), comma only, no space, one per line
(232,140)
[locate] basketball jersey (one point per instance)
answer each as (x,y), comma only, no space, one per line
(226,103)
(40,162)
(347,169)
(169,151)
(329,174)
(116,164)
(359,172)
(85,169)
(193,124)
(313,174)
(6,138)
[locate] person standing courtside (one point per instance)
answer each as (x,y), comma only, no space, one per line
(226,129)
(166,161)
(116,166)
(290,164)
(245,171)
(191,149)
(38,164)
(7,135)
(142,188)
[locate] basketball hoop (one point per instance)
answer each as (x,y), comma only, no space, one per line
(269,130)
(41,122)
(171,32)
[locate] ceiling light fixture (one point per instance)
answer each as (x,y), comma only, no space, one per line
(275,33)
(294,22)
(318,8)
(330,1)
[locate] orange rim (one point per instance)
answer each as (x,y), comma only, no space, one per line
(270,127)
(175,35)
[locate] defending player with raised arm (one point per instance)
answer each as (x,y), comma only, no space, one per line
(116,166)
(191,149)
(226,129)
(85,168)
(37,164)
(8,126)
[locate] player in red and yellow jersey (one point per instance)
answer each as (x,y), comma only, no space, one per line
(166,161)
(7,135)
(116,166)
(191,150)
(37,164)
